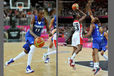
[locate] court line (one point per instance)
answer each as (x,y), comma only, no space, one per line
(36,61)
(85,66)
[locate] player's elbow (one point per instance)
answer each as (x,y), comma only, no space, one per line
(85,15)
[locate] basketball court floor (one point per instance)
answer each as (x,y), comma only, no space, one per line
(81,70)
(18,68)
(41,69)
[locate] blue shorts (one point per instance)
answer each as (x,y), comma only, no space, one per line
(29,38)
(99,45)
(29,41)
(103,47)
(96,44)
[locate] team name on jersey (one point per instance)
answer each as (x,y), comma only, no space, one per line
(38,26)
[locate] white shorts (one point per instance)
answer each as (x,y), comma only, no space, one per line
(77,39)
(54,36)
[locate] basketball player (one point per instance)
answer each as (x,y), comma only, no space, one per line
(52,39)
(77,36)
(36,26)
(97,38)
(104,45)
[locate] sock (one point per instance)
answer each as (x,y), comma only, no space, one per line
(73,56)
(96,65)
(106,57)
(32,47)
(52,52)
(19,56)
(49,49)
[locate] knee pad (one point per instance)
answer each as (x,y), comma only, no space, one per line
(26,47)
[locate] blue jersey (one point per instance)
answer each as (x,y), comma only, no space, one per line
(37,27)
(96,34)
(54,23)
(97,38)
(104,41)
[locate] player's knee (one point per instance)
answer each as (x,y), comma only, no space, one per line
(102,53)
(93,53)
(25,51)
(27,48)
(80,48)
(51,45)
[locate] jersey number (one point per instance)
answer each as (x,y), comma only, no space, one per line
(37,30)
(76,25)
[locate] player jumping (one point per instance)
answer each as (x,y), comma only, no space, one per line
(77,36)
(98,38)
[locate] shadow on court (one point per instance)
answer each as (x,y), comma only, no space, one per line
(103,64)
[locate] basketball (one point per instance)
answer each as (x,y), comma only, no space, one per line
(39,42)
(75,6)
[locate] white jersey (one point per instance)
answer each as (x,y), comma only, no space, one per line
(77,36)
(77,26)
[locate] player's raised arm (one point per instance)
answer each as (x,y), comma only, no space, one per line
(89,9)
(90,31)
(31,27)
(47,27)
(83,17)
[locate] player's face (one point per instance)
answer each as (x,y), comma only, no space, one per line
(41,13)
(101,30)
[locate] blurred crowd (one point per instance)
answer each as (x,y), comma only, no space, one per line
(23,17)
(99,7)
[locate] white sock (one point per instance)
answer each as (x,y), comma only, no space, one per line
(32,47)
(49,49)
(106,57)
(52,52)
(96,65)
(73,56)
(19,56)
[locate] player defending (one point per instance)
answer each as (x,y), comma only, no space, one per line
(52,40)
(104,45)
(77,36)
(98,38)
(36,26)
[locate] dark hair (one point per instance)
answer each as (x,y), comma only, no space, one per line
(97,20)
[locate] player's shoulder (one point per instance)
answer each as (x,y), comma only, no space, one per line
(105,33)
(92,25)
